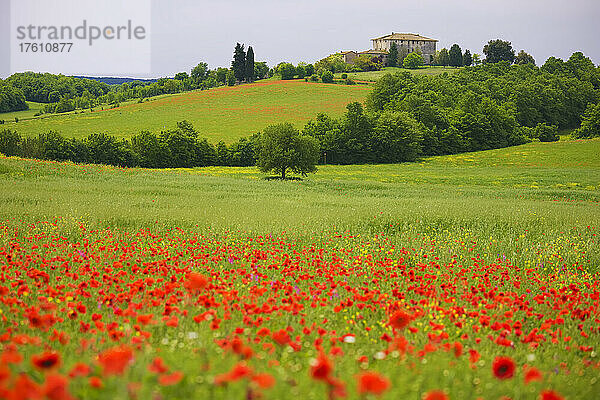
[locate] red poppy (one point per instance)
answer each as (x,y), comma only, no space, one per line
(196,281)
(321,368)
(46,360)
(372,382)
(56,387)
(400,319)
(533,374)
(96,382)
(550,395)
(264,381)
(80,369)
(503,367)
(436,395)
(170,379)
(281,337)
(158,366)
(115,360)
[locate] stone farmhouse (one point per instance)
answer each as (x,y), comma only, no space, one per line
(410,41)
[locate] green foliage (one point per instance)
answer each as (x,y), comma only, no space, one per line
(286,70)
(10,143)
(546,133)
(249,75)
(590,124)
(238,64)
(261,70)
(392,59)
(455,56)
(64,105)
(327,77)
(11,98)
(199,72)
(181,76)
(499,50)
(151,150)
(413,61)
(282,148)
(524,58)
(443,58)
(365,63)
(396,137)
(467,58)
(334,63)
(230,78)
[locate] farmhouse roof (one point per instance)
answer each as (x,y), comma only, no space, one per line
(373,52)
(347,52)
(406,36)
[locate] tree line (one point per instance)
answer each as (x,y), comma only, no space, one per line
(407,116)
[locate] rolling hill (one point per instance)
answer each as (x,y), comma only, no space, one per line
(225,113)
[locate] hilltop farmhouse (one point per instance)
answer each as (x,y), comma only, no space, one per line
(409,41)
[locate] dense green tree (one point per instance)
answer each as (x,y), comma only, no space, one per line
(365,63)
(499,50)
(286,70)
(524,58)
(396,138)
(10,143)
(546,133)
(333,63)
(221,75)
(238,64)
(310,69)
(261,70)
(443,58)
(392,59)
(180,76)
(64,105)
(151,151)
(476,59)
(413,61)
(590,124)
(455,56)
(250,64)
(199,72)
(283,149)
(467,58)
(11,99)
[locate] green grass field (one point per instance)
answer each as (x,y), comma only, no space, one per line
(34,108)
(543,188)
(225,113)
(394,280)
(372,76)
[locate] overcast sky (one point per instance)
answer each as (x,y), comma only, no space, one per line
(184,32)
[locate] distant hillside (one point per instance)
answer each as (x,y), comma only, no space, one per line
(116,81)
(224,113)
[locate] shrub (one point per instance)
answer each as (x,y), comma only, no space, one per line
(314,78)
(286,70)
(349,81)
(327,77)
(344,76)
(10,143)
(546,133)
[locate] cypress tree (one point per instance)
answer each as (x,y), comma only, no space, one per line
(467,58)
(392,59)
(238,65)
(250,64)
(455,56)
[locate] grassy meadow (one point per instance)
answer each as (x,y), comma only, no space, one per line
(457,277)
(224,113)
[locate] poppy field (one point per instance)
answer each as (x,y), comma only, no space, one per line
(460,277)
(223,113)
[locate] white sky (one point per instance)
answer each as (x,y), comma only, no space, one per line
(185,32)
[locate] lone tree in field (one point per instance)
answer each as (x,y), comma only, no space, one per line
(238,65)
(282,148)
(250,64)
(392,59)
(455,56)
(499,50)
